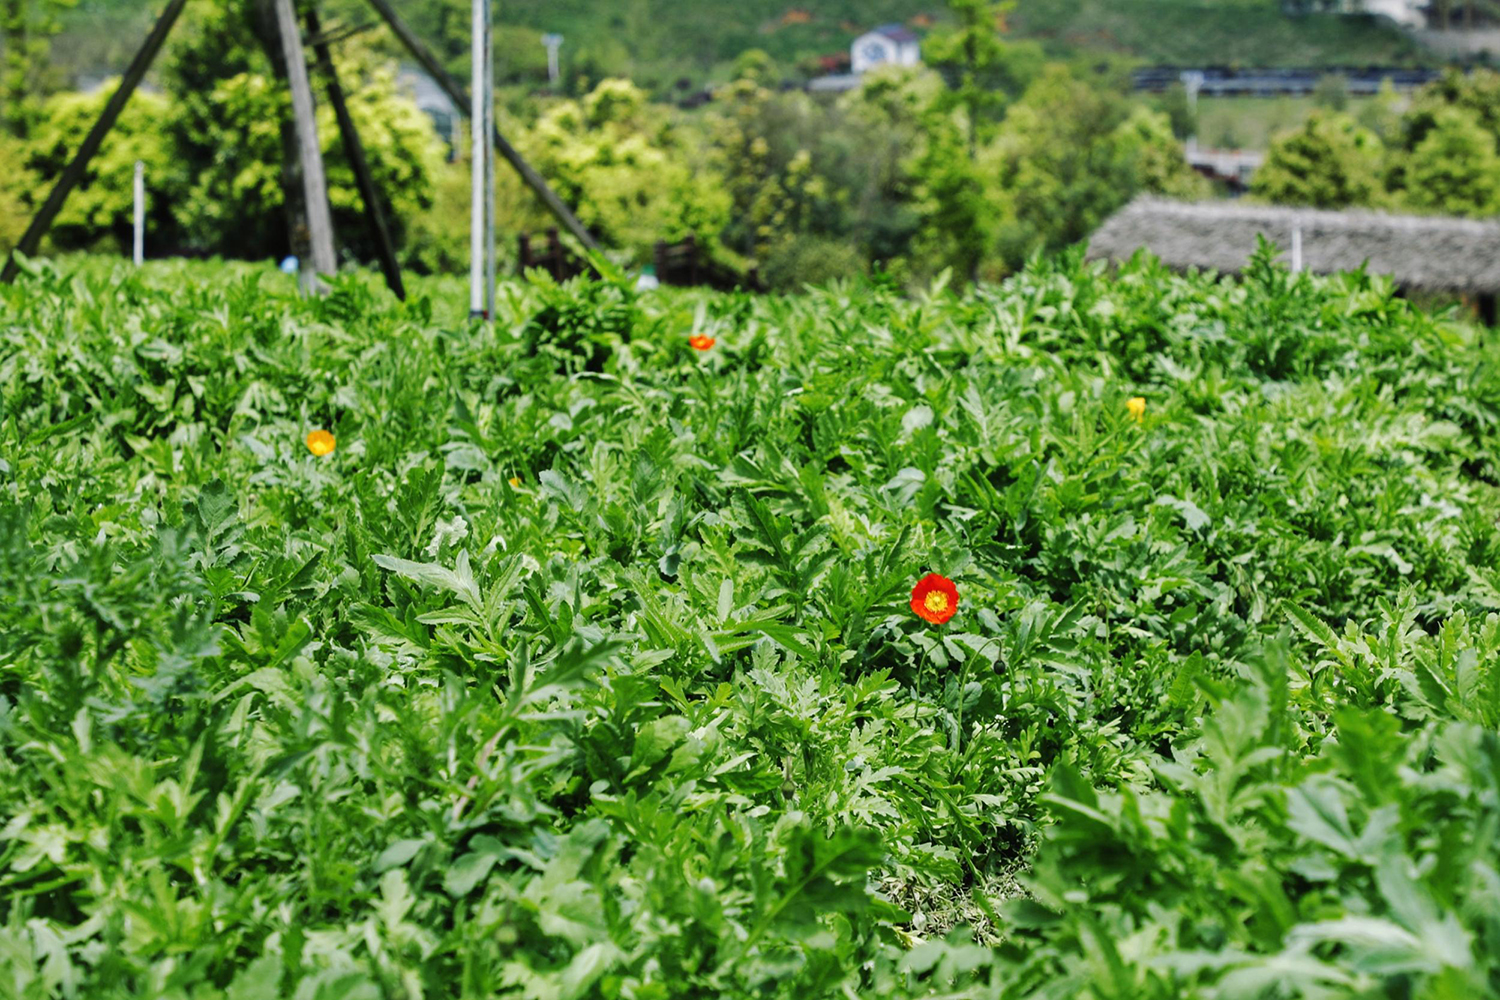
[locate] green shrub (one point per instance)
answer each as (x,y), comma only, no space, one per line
(15,184)
(809,260)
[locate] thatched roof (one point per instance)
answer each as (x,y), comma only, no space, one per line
(1423,253)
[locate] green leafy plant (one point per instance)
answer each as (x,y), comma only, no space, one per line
(584,664)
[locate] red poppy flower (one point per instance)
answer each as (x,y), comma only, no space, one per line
(934,598)
(701,342)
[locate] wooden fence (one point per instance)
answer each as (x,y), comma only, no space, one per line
(549,255)
(680,263)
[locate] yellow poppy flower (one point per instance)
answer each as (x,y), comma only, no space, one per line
(320,443)
(1137,407)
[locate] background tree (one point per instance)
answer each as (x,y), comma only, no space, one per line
(976,64)
(1148,149)
(1174,104)
(757,66)
(102,205)
(26,31)
(1329,162)
(981,77)
(1454,169)
(881,123)
(957,207)
(630,168)
(1331,92)
(769,148)
(1476,93)
(232,171)
(1069,154)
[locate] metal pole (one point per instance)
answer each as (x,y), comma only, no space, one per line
(314,183)
(138,247)
(73,172)
(1192,80)
(1296,248)
(455,93)
(553,43)
(489,163)
(479,129)
(355,150)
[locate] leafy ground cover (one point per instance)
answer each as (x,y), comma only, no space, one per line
(583,665)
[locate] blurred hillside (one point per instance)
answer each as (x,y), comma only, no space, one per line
(662,44)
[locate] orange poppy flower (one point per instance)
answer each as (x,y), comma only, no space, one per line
(515,482)
(934,598)
(701,342)
(320,443)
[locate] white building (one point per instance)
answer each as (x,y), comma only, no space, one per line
(1407,13)
(889,44)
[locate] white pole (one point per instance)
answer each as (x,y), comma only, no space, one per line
(489,164)
(1192,80)
(553,43)
(479,146)
(1296,248)
(139,246)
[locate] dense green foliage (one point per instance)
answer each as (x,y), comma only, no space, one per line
(654,718)
(212,144)
(1440,154)
(989,156)
(26,31)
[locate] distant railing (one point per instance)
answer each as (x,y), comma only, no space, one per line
(1223,81)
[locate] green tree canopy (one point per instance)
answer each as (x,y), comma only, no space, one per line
(102,205)
(1069,154)
(983,71)
(26,31)
(1454,169)
(630,169)
(1329,162)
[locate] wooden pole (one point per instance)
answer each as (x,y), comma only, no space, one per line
(355,149)
(293,199)
(455,93)
(73,172)
(314,183)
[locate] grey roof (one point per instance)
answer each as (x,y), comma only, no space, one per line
(1427,253)
(896,32)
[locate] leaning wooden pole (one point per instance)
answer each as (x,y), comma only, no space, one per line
(355,149)
(314,182)
(73,172)
(460,100)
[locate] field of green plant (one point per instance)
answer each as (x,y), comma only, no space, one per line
(584,662)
